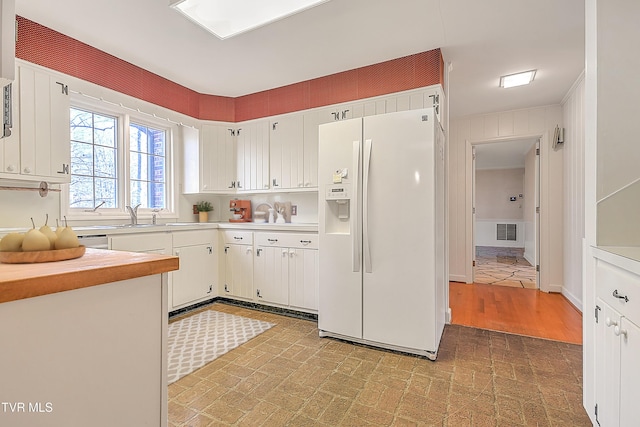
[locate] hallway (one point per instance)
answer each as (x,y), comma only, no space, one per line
(526,312)
(504,267)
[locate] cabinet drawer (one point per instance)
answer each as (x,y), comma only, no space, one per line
(611,280)
(238,237)
(193,237)
(288,240)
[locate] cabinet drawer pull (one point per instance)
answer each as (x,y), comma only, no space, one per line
(237,238)
(305,242)
(617,295)
(272,240)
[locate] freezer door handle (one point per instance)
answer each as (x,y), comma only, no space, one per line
(365,205)
(355,230)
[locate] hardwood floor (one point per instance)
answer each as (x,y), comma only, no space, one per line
(520,311)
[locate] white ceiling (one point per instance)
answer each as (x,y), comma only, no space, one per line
(481,39)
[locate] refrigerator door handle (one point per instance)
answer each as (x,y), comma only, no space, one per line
(355,230)
(365,205)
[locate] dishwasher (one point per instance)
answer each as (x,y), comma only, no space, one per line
(96,241)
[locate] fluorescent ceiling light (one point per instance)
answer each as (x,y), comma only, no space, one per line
(227,18)
(517,79)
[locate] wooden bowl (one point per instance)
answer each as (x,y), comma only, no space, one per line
(41,256)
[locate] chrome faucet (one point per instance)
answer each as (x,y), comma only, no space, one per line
(134,213)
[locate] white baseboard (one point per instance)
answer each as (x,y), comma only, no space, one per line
(555,288)
(458,278)
(530,259)
(577,303)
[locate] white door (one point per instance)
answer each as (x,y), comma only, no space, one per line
(399,229)
(339,231)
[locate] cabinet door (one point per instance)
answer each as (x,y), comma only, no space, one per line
(217,163)
(608,363)
(629,372)
(303,278)
(286,152)
(310,153)
(44,126)
(271,275)
(253,156)
(239,271)
(10,146)
(196,277)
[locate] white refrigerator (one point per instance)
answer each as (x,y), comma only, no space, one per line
(382,255)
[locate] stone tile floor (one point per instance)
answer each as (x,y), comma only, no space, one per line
(288,376)
(504,267)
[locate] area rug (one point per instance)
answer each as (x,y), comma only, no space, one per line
(197,340)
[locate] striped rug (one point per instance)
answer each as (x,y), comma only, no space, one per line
(197,340)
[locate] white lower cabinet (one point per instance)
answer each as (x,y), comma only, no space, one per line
(238,264)
(196,280)
(286,270)
(617,347)
(271,275)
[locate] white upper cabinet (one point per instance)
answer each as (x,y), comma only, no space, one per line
(38,148)
(286,152)
(252,143)
(217,159)
(7,41)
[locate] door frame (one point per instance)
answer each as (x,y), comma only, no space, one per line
(542,220)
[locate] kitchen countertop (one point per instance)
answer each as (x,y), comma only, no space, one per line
(95,267)
(83,230)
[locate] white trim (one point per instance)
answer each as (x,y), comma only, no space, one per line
(572,299)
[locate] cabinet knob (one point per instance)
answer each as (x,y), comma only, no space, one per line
(27,170)
(610,322)
(10,168)
(619,331)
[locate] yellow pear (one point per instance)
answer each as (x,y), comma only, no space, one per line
(12,242)
(59,228)
(67,239)
(34,240)
(47,231)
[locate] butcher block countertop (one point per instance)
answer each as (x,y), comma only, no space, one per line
(95,267)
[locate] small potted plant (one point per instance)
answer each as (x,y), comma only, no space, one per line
(203,209)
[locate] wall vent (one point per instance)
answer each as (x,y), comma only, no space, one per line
(506,232)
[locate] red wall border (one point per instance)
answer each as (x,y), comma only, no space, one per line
(48,48)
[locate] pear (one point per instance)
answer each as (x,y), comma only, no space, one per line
(59,228)
(67,239)
(12,242)
(34,240)
(47,231)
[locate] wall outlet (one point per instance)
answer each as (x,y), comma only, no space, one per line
(294,210)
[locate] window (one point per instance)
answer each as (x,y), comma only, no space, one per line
(93,160)
(118,158)
(147,166)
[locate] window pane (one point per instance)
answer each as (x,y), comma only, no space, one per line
(138,194)
(81,192)
(81,125)
(106,191)
(138,139)
(138,166)
(81,158)
(105,162)
(156,191)
(105,131)
(158,141)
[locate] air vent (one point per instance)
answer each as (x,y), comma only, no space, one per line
(506,232)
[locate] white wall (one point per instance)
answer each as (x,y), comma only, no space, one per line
(573,114)
(505,125)
(494,188)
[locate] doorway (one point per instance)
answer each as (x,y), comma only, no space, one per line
(505,195)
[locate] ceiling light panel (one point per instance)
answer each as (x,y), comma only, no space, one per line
(517,79)
(228,18)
